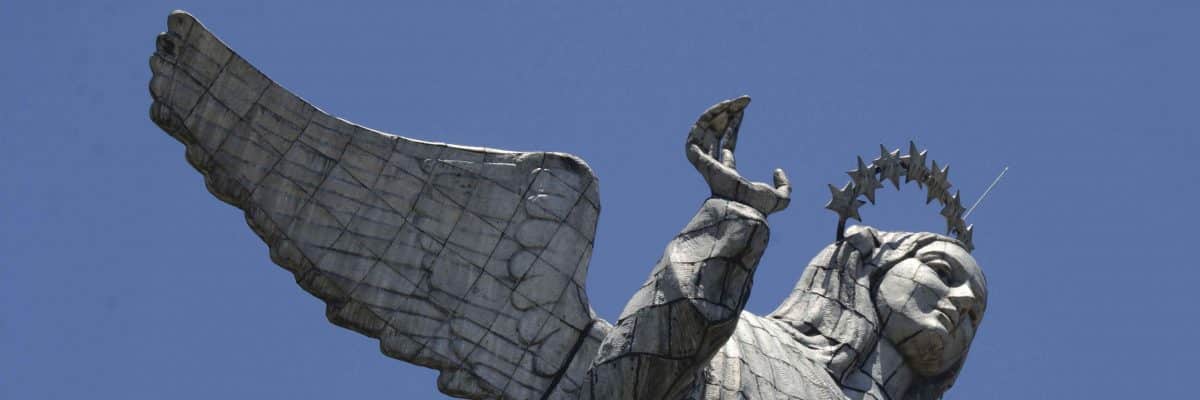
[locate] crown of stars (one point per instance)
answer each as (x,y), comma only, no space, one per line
(890,166)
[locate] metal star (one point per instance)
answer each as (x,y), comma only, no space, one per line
(967,237)
(844,202)
(939,183)
(914,163)
(953,211)
(864,180)
(889,165)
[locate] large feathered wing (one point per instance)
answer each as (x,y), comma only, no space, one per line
(468,260)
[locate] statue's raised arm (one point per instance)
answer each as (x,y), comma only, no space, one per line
(689,307)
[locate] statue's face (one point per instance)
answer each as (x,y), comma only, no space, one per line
(931,304)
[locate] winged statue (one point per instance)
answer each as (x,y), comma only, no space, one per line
(473,261)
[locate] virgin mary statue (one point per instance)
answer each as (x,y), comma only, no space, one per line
(876,315)
(473,261)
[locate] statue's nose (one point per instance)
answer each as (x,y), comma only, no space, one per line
(963,299)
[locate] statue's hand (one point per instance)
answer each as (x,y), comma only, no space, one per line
(710,148)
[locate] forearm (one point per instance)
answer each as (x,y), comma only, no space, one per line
(687,309)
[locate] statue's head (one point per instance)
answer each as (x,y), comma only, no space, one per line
(891,301)
(921,293)
(930,303)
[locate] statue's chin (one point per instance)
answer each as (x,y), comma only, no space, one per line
(925,353)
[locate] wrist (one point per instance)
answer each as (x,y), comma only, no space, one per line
(735,207)
(760,197)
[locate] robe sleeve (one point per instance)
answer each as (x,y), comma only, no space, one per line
(686,310)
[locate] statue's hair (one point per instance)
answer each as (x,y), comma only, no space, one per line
(833,306)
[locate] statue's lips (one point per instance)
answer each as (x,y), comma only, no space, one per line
(949,318)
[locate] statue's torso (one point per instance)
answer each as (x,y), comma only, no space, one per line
(762,360)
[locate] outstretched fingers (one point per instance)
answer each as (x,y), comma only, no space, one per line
(783,186)
(710,148)
(729,134)
(783,190)
(717,128)
(722,180)
(727,158)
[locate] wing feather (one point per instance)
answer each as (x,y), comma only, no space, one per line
(468,260)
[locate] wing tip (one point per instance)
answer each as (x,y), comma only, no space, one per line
(574,164)
(179,26)
(180,22)
(180,16)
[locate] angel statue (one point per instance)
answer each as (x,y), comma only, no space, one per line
(472,261)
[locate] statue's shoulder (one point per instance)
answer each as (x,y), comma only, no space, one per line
(764,359)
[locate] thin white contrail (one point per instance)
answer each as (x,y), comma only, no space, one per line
(985,192)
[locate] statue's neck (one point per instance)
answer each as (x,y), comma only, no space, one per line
(886,366)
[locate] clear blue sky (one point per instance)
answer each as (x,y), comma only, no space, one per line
(122,278)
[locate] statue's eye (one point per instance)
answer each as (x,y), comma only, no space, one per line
(945,276)
(942,268)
